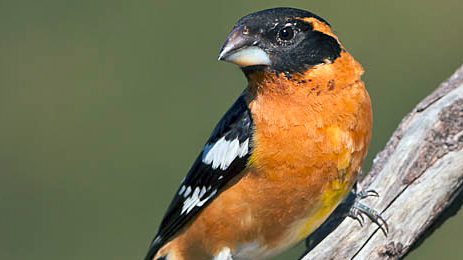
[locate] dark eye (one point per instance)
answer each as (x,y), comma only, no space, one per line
(286,33)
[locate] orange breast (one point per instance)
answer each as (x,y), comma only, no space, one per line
(311,136)
(310,140)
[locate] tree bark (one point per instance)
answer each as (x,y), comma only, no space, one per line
(419,176)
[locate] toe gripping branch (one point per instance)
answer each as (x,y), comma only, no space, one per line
(358,210)
(350,207)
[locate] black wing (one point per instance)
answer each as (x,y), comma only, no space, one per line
(224,156)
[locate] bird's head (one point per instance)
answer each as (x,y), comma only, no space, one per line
(281,40)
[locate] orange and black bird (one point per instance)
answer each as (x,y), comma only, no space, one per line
(285,154)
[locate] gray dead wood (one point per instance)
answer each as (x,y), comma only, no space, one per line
(419,176)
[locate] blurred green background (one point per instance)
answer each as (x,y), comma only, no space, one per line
(104,105)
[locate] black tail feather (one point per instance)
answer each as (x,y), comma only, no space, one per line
(154,248)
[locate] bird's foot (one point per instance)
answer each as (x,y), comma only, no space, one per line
(359,210)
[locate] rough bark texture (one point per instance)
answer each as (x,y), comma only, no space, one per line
(419,176)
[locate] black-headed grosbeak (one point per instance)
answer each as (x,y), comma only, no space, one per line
(284,155)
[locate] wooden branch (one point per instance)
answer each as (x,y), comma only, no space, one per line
(418,175)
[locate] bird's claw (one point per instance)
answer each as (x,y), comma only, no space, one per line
(368,193)
(359,210)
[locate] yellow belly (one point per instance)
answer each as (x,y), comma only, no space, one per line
(329,200)
(316,214)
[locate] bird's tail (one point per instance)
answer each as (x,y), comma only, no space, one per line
(154,248)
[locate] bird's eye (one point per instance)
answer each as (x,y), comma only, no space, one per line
(286,34)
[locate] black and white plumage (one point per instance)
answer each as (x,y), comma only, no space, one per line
(224,156)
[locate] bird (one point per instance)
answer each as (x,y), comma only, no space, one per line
(285,154)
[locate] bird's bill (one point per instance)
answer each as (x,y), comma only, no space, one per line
(244,57)
(241,50)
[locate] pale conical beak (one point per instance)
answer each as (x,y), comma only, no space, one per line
(242,50)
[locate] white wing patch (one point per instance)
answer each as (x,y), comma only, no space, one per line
(222,153)
(196,199)
(182,189)
(224,254)
(185,191)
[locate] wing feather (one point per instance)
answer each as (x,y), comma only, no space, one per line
(224,156)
